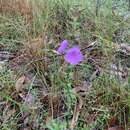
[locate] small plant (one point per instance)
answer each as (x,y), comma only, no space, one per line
(57,125)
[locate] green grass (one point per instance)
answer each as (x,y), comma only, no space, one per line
(51,80)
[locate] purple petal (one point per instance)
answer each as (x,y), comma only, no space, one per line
(63,46)
(74,56)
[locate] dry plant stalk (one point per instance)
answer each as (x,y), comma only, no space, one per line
(77,110)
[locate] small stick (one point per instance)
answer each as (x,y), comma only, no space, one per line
(77,109)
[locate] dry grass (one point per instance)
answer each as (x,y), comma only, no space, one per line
(13,7)
(38,90)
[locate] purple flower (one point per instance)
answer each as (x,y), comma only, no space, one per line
(74,56)
(63,46)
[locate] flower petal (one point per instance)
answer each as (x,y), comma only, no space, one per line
(63,46)
(74,56)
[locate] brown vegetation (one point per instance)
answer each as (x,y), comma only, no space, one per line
(13,7)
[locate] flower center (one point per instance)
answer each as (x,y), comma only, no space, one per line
(74,53)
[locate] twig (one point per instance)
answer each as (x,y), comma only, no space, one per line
(77,110)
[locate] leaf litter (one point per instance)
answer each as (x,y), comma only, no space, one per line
(54,105)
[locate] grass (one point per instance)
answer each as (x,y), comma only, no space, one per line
(37,87)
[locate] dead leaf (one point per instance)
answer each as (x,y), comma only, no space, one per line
(126,47)
(21,83)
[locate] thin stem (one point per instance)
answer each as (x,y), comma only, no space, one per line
(129,6)
(97,6)
(75,76)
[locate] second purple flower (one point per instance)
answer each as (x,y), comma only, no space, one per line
(63,46)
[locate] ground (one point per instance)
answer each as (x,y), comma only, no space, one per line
(40,89)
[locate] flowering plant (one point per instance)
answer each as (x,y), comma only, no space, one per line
(72,55)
